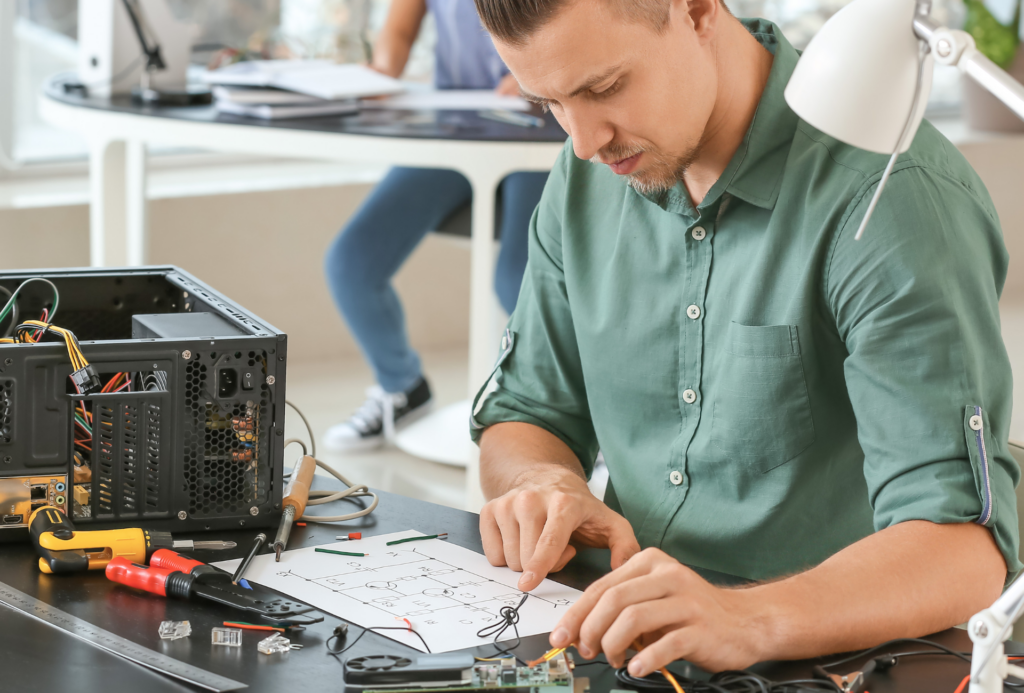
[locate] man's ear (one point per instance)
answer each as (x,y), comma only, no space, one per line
(701,15)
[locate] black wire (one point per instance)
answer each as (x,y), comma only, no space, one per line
(331,651)
(723,682)
(509,618)
(919,641)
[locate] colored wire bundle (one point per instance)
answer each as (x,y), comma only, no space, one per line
(11,307)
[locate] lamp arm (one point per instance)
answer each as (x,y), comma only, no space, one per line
(957,48)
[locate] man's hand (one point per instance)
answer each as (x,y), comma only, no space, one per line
(508,86)
(905,581)
(529,527)
(669,609)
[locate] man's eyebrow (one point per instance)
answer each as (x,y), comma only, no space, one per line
(594,81)
(588,84)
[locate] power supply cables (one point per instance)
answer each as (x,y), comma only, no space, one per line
(352,491)
(11,307)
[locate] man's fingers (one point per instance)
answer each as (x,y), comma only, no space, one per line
(635,621)
(491,536)
(622,599)
(531,514)
(567,556)
(509,527)
(623,543)
(677,644)
(568,627)
(562,521)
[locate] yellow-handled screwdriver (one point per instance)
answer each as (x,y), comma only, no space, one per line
(296,494)
(63,549)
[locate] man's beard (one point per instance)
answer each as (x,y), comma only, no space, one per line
(662,171)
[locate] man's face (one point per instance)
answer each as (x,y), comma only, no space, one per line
(631,97)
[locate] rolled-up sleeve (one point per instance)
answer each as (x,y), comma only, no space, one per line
(916,302)
(539,378)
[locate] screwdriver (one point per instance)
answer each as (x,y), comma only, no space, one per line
(296,493)
(63,549)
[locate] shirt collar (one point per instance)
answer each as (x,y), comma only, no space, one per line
(754,173)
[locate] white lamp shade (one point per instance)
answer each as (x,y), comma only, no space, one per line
(856,80)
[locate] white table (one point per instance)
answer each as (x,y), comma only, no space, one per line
(118,139)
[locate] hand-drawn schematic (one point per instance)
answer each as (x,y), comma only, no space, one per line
(443,591)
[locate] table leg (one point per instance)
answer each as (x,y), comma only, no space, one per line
(483,313)
(136,205)
(117,203)
(107,209)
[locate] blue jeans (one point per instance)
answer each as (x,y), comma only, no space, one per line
(407,204)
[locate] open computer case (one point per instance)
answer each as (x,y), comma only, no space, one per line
(184,428)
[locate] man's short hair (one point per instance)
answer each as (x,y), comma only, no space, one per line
(514,21)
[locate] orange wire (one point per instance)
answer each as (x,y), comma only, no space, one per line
(963,684)
(666,673)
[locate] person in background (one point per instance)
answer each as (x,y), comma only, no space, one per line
(407,204)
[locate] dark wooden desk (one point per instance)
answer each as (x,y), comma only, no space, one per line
(37,657)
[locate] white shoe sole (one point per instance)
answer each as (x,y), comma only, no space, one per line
(378,441)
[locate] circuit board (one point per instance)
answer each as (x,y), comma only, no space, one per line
(503,674)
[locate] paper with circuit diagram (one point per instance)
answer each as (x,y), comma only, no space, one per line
(447,593)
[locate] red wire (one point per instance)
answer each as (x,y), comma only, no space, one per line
(963,684)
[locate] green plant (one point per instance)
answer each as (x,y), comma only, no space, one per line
(996,41)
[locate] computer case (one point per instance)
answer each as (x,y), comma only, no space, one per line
(193,441)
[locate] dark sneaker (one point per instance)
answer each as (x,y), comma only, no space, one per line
(380,417)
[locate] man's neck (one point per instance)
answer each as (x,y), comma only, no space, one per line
(743,69)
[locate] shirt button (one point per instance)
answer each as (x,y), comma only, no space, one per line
(698,233)
(975,423)
(689,396)
(693,312)
(676,478)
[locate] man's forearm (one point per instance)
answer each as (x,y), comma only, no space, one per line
(513,452)
(907,580)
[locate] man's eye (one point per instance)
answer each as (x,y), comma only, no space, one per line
(610,90)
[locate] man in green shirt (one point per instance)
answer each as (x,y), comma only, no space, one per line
(775,401)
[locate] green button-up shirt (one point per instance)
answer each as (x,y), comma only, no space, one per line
(765,389)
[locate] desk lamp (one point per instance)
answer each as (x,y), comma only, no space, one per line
(864,79)
(187,95)
(866,75)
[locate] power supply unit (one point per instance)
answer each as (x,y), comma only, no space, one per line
(177,423)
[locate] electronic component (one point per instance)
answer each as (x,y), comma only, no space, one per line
(456,671)
(20,496)
(164,419)
(230,637)
(276,643)
(174,630)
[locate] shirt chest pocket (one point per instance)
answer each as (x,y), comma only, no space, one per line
(762,413)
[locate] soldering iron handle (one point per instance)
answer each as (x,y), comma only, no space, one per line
(296,493)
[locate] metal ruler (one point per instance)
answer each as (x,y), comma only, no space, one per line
(115,644)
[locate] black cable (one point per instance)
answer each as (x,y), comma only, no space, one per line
(509,618)
(876,648)
(334,653)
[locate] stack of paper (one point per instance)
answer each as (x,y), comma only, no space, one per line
(295,88)
(272,104)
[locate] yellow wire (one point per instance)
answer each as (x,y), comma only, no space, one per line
(664,670)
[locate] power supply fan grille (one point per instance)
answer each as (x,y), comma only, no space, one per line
(227,460)
(378,663)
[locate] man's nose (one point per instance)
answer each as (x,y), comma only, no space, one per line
(589,132)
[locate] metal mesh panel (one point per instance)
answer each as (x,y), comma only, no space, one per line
(227,464)
(103,464)
(6,411)
(127,437)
